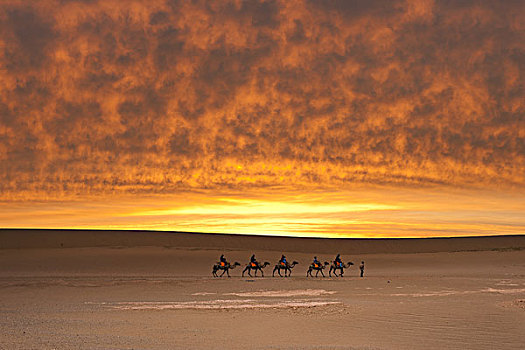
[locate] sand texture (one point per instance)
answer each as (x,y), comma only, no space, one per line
(165,298)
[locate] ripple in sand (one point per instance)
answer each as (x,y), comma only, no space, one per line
(218,305)
(506,283)
(458,292)
(431,294)
(520,303)
(504,291)
(284,293)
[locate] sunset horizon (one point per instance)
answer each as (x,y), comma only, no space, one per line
(350,214)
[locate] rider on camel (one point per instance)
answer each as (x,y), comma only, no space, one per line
(253,261)
(338,261)
(222,260)
(283,261)
(316,262)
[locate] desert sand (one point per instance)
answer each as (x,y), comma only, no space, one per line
(108,290)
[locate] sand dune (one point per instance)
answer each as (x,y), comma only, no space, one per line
(140,295)
(20,239)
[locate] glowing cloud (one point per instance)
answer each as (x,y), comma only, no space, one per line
(124,99)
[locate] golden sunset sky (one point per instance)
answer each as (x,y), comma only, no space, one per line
(336,118)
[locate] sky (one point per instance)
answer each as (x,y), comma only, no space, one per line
(336,118)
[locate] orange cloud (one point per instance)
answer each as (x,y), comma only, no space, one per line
(109,98)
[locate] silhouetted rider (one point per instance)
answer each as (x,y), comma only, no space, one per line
(283,260)
(222,260)
(338,261)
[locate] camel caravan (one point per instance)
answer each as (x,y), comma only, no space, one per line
(336,267)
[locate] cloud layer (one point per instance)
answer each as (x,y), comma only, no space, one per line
(109,97)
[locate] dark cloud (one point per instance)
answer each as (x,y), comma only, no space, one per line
(105,96)
(31,34)
(356,9)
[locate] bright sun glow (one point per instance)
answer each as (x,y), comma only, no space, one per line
(253,207)
(367,213)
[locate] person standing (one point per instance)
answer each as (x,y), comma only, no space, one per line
(362,268)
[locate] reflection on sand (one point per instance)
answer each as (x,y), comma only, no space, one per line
(262,301)
(217,304)
(284,293)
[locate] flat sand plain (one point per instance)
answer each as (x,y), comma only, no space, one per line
(165,298)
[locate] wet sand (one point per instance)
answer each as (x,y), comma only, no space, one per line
(165,298)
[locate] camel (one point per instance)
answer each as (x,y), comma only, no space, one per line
(255,266)
(287,269)
(225,268)
(334,268)
(318,268)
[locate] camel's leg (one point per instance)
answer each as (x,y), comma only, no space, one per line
(273,273)
(309,272)
(322,273)
(279,271)
(228,273)
(317,273)
(330,272)
(243,271)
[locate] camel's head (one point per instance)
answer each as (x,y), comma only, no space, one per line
(236,264)
(295,263)
(266,263)
(326,263)
(350,263)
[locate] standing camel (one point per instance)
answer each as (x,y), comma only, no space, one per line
(225,267)
(339,266)
(256,266)
(317,268)
(286,267)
